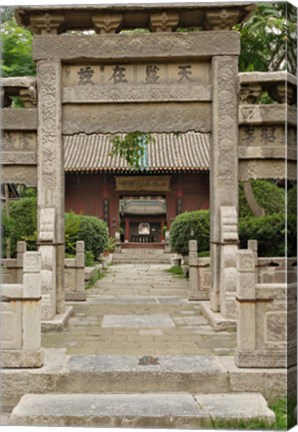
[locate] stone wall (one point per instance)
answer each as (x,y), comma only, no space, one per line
(21,318)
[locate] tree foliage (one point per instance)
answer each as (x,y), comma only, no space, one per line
(268,195)
(16,47)
(132,148)
(269,38)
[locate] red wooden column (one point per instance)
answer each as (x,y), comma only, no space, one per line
(126,237)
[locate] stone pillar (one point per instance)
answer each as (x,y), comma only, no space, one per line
(246,304)
(47,250)
(167,248)
(21,249)
(224,157)
(51,162)
(80,268)
(193,269)
(118,247)
(228,273)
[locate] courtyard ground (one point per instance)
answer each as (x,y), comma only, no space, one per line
(139,309)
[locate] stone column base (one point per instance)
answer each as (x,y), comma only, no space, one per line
(260,359)
(21,358)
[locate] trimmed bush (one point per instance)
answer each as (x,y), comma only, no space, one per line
(190,226)
(21,224)
(270,232)
(94,232)
(269,196)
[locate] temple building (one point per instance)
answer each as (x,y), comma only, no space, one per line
(140,203)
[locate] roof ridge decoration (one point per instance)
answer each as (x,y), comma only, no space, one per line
(114,18)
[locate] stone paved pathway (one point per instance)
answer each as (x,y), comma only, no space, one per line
(140,310)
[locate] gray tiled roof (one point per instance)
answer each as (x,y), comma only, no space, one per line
(143,207)
(167,152)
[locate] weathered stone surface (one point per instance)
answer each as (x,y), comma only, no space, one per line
(51,163)
(267,169)
(58,322)
(272,383)
(19,119)
(216,319)
(98,94)
(153,46)
(206,15)
(18,158)
(236,406)
(11,325)
(271,114)
(101,410)
(129,117)
(224,158)
(21,358)
(14,141)
(26,175)
(267,153)
(25,82)
(123,321)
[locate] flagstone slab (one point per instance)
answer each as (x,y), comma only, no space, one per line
(148,321)
(236,406)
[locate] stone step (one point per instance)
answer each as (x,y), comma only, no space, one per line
(127,374)
(180,411)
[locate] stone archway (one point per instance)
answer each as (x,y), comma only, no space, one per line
(108,84)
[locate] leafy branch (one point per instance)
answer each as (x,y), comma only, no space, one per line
(132,147)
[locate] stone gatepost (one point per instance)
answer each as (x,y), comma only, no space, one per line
(21,249)
(80,268)
(224,158)
(47,250)
(228,273)
(51,165)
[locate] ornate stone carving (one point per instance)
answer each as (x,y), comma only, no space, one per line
(283,93)
(47,23)
(97,94)
(164,21)
(250,93)
(18,158)
(267,169)
(229,225)
(28,96)
(107,23)
(222,19)
(32,262)
(47,217)
(191,45)
(245,261)
(273,114)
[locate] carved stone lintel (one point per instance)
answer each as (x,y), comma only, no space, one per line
(164,21)
(223,19)
(107,23)
(47,23)
(28,97)
(250,93)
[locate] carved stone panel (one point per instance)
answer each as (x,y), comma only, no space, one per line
(150,117)
(17,174)
(47,224)
(162,45)
(267,136)
(13,141)
(11,325)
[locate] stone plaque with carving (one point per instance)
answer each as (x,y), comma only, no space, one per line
(144,183)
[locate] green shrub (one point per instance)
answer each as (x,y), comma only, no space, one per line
(270,232)
(94,232)
(21,224)
(292,201)
(269,196)
(190,226)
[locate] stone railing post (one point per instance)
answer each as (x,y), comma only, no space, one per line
(246,304)
(193,269)
(167,248)
(118,247)
(80,268)
(21,249)
(21,318)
